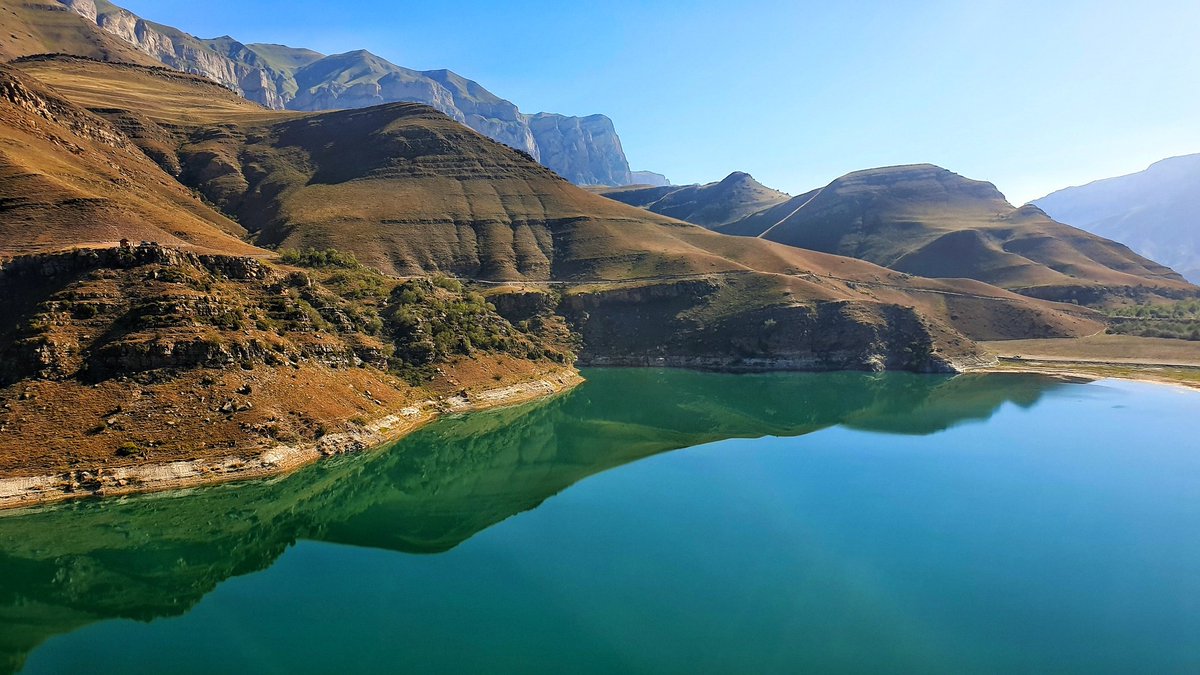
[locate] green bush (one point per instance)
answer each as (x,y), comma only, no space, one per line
(311,257)
(1178,320)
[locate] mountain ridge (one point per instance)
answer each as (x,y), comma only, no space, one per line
(585,150)
(713,205)
(925,220)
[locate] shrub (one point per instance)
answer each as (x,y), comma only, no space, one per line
(311,257)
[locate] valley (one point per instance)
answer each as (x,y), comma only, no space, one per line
(315,362)
(163,232)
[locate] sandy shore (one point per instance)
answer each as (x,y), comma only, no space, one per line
(1154,360)
(155,477)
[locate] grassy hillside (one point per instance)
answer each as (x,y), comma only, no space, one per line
(199,344)
(925,220)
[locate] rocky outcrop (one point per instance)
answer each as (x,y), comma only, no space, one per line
(584,150)
(659,325)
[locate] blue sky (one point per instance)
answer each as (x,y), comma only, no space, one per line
(1032,96)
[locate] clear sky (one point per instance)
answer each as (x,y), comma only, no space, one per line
(1031,95)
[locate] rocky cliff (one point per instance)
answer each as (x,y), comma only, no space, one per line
(584,150)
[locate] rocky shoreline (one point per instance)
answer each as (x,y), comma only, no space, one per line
(24,491)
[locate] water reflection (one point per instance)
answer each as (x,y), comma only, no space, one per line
(156,556)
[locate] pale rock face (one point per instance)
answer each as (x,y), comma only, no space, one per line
(650,178)
(85,8)
(584,150)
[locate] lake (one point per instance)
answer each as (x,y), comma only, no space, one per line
(659,521)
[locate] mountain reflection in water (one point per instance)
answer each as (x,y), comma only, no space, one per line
(153,556)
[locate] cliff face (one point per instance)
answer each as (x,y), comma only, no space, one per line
(584,150)
(673,325)
(650,178)
(239,69)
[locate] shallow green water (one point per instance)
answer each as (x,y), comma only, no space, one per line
(661,521)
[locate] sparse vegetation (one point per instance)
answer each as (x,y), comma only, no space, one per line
(433,320)
(1178,320)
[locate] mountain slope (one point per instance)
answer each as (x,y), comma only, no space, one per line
(1156,211)
(585,150)
(70,178)
(410,192)
(714,205)
(925,220)
(115,353)
(47,26)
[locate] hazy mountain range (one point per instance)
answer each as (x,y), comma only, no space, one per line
(585,150)
(1156,211)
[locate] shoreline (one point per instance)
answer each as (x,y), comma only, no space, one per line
(1186,378)
(26,491)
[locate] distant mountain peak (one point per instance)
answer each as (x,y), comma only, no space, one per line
(927,220)
(921,181)
(1155,211)
(713,205)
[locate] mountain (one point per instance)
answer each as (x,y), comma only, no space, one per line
(69,178)
(44,26)
(189,344)
(115,353)
(410,192)
(585,150)
(1156,211)
(714,205)
(649,178)
(925,220)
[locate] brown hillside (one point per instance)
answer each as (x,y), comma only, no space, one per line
(924,220)
(48,26)
(411,192)
(70,178)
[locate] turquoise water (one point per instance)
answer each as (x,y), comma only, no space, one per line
(661,521)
